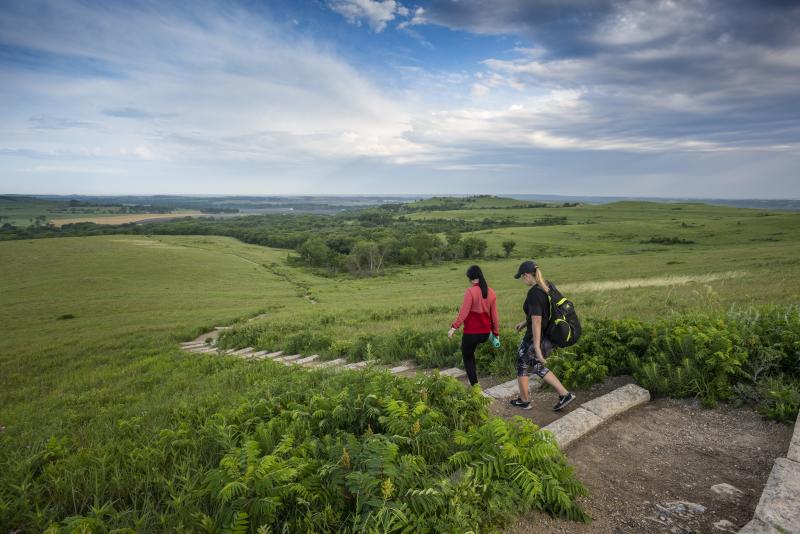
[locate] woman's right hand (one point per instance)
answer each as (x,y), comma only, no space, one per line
(520,326)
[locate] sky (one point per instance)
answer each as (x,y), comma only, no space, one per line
(693,98)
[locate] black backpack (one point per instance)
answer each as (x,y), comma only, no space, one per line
(564,328)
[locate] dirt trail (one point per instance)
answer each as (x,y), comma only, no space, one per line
(650,469)
(658,281)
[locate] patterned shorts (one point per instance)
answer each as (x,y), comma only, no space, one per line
(527,364)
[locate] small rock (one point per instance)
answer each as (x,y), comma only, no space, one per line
(725,526)
(728,491)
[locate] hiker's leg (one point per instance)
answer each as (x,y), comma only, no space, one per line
(523,361)
(545,373)
(468,344)
(522,382)
(553,380)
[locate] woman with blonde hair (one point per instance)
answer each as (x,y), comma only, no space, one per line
(535,346)
(478,314)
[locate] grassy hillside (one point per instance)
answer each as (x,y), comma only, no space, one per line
(90,359)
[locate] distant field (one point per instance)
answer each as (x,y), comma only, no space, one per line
(122,219)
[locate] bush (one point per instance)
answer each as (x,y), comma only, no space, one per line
(747,356)
(307,452)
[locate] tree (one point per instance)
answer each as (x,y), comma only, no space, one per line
(407,256)
(453,237)
(473,246)
(315,252)
(508,246)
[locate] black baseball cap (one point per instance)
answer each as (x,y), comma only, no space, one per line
(526,267)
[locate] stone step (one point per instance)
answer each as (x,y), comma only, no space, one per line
(510,389)
(618,401)
(193,344)
(330,363)
(256,355)
(455,372)
(356,365)
(402,369)
(222,327)
(308,359)
(284,359)
(270,355)
(244,351)
(204,350)
(595,412)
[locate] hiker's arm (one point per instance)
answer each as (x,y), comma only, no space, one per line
(462,313)
(495,319)
(536,326)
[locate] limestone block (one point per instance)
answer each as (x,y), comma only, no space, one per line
(618,401)
(794,446)
(780,501)
(573,425)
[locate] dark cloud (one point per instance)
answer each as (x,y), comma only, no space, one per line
(722,72)
(559,25)
(569,28)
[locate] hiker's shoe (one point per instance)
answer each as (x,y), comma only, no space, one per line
(563,400)
(519,403)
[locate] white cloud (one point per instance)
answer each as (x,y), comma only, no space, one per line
(231,87)
(225,92)
(377,13)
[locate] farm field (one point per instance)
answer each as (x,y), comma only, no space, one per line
(122,219)
(92,324)
(22,211)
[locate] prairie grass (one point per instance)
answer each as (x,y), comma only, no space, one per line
(89,358)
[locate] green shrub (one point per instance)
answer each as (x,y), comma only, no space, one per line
(713,358)
(307,452)
(779,398)
(748,356)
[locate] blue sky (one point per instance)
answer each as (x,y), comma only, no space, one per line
(692,98)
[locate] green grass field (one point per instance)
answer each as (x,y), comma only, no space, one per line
(91,325)
(141,295)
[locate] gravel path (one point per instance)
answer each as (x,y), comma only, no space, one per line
(652,470)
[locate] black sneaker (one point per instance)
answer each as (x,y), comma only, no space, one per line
(519,403)
(563,401)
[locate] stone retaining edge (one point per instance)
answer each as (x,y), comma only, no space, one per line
(594,413)
(778,509)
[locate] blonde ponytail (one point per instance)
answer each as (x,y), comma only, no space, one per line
(541,282)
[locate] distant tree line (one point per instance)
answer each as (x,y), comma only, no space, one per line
(362,242)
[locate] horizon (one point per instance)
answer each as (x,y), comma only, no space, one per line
(390,195)
(618,99)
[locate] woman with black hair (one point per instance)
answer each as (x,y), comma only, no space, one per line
(478,314)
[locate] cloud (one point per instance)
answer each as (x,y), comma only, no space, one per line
(377,13)
(237,86)
(46,122)
(222,92)
(674,76)
(135,113)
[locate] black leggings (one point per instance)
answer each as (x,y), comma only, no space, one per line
(469,342)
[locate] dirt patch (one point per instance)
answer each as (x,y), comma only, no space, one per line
(652,470)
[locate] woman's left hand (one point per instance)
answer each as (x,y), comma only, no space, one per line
(451,333)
